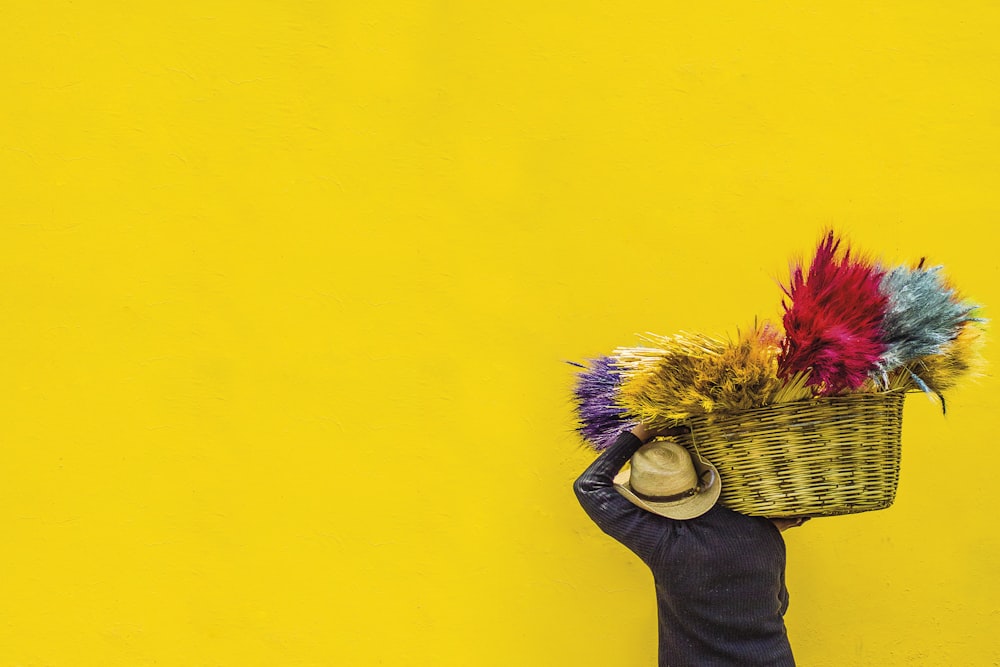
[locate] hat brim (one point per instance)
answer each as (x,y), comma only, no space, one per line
(686,508)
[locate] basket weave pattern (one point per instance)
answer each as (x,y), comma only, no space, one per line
(821,457)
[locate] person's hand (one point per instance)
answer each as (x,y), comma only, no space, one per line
(645,434)
(784,524)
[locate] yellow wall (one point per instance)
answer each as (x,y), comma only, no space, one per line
(285,290)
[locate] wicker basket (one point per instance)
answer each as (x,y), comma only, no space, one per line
(820,457)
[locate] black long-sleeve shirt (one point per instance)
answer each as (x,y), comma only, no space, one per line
(720,578)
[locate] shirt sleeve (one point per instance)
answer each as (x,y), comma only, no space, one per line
(637,529)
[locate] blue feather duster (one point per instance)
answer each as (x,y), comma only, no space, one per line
(923,314)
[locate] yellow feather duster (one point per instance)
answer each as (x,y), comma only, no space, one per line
(677,377)
(939,372)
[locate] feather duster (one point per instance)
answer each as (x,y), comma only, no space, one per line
(745,374)
(923,314)
(833,320)
(684,375)
(936,373)
(662,382)
(600,418)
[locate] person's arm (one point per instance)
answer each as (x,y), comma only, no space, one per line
(784,524)
(633,526)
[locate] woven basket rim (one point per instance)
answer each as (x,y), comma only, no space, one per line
(801,404)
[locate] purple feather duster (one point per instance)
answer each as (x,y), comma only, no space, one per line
(600,417)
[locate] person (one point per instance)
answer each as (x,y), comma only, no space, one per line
(719,574)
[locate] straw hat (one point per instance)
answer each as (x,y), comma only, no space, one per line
(664,480)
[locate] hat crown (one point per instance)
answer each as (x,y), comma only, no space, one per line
(662,468)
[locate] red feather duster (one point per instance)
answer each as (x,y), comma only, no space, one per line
(833,323)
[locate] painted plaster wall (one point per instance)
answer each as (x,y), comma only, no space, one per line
(285,290)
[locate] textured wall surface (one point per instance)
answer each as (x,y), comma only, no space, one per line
(285,290)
